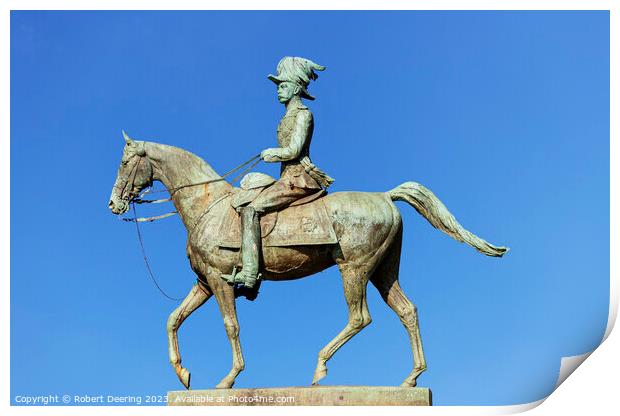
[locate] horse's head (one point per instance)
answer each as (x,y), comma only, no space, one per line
(134,174)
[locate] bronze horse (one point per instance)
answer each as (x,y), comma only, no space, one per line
(369,232)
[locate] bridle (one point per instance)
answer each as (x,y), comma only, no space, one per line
(138,200)
(132,174)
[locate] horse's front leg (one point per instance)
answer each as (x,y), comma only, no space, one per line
(199,294)
(224,293)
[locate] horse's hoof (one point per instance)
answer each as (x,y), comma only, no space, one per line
(185,377)
(408,383)
(318,375)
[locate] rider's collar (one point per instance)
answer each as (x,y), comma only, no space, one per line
(298,107)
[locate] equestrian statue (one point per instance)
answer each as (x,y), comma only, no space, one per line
(285,229)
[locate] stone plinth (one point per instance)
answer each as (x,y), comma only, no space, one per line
(304,396)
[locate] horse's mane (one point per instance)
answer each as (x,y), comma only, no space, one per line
(184,156)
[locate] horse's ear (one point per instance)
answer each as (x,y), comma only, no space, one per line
(127,139)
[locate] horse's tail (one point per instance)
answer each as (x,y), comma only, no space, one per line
(431,208)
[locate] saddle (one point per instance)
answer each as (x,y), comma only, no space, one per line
(304,222)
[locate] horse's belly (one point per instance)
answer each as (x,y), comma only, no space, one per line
(286,263)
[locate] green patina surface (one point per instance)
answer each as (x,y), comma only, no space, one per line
(365,245)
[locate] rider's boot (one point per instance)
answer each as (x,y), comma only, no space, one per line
(250,249)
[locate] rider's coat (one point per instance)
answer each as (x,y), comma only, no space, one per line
(299,177)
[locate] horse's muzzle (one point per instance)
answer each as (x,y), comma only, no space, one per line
(118,206)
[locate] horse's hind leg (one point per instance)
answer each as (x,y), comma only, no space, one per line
(355,282)
(196,298)
(385,279)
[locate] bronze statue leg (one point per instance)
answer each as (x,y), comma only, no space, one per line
(278,196)
(385,279)
(355,282)
(197,296)
(225,296)
(250,249)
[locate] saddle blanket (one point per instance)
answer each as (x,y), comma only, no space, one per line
(301,225)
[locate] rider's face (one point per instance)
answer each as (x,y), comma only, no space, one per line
(286,91)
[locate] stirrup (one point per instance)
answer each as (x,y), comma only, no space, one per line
(230,278)
(235,279)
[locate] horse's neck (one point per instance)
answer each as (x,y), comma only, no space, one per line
(176,168)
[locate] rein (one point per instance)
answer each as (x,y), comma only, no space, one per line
(139,200)
(256,159)
(146,261)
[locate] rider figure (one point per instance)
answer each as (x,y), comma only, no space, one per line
(299,177)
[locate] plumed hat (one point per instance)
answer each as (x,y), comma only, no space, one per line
(299,71)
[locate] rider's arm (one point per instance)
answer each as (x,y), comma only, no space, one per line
(299,137)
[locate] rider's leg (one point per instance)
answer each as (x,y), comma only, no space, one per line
(277,196)
(250,246)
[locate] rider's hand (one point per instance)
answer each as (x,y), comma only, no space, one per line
(268,156)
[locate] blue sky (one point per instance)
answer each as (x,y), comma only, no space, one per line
(504,115)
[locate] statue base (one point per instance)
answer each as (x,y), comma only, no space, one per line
(304,396)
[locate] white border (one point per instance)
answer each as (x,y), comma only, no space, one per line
(590,392)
